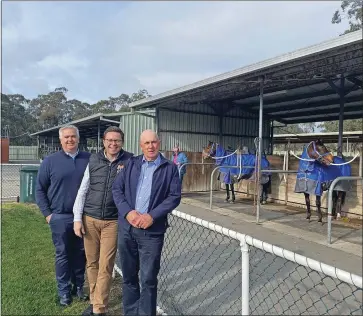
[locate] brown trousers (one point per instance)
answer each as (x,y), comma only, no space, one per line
(100,244)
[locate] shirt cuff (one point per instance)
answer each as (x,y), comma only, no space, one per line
(77,218)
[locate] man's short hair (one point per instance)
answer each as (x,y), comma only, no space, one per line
(114,129)
(68,127)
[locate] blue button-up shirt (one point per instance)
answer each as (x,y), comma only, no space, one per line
(73,156)
(145,183)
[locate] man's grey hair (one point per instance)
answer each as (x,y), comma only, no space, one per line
(68,127)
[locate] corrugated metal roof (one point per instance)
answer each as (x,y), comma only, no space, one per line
(292,81)
(88,126)
(300,53)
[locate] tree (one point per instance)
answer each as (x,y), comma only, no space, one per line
(21,117)
(295,128)
(351,10)
(141,94)
(118,104)
(16,122)
(50,109)
(348,126)
(77,109)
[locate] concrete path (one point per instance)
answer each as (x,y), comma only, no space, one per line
(287,230)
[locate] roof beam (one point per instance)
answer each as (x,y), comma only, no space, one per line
(322,111)
(274,111)
(337,89)
(356,81)
(294,98)
(322,118)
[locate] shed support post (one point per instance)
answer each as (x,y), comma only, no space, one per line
(341,116)
(260,133)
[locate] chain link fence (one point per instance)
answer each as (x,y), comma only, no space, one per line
(201,274)
(10,181)
(202,271)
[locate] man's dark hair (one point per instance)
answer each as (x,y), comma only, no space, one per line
(114,129)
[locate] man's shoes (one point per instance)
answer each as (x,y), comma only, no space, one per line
(78,291)
(88,311)
(65,300)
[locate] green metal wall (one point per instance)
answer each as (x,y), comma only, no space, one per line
(132,125)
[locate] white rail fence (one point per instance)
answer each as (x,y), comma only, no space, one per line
(210,270)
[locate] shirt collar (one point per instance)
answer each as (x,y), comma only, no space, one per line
(118,155)
(73,155)
(157,161)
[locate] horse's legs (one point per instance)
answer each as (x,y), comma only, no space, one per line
(318,205)
(233,196)
(307,201)
(340,202)
(227,188)
(334,210)
(263,197)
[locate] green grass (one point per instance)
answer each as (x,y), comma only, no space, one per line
(28,273)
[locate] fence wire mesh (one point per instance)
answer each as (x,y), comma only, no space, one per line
(10,181)
(200,271)
(281,287)
(201,275)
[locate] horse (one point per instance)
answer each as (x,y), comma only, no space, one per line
(246,171)
(318,168)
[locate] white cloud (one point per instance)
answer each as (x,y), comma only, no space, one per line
(98,50)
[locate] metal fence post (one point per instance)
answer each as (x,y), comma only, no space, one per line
(330,199)
(192,163)
(245,278)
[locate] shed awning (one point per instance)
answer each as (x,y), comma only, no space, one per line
(301,86)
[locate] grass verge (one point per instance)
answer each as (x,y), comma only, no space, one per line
(28,273)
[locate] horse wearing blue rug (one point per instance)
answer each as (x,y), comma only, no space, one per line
(246,164)
(318,168)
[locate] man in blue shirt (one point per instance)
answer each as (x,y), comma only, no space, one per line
(145,192)
(59,178)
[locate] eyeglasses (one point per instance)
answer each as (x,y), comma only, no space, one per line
(117,141)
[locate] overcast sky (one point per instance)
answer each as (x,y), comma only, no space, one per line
(101,49)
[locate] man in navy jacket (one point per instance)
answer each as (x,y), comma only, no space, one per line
(145,192)
(59,178)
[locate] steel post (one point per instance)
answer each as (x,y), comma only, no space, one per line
(245,270)
(260,134)
(330,200)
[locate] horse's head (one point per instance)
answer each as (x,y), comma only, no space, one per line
(210,150)
(317,150)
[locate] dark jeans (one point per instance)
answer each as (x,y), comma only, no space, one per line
(70,259)
(139,251)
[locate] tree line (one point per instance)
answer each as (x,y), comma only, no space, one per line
(21,116)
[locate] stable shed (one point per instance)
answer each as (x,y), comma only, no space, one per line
(92,128)
(322,82)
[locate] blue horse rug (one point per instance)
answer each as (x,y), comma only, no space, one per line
(314,178)
(247,161)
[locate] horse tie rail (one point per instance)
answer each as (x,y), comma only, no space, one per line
(234,167)
(330,199)
(207,269)
(193,163)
